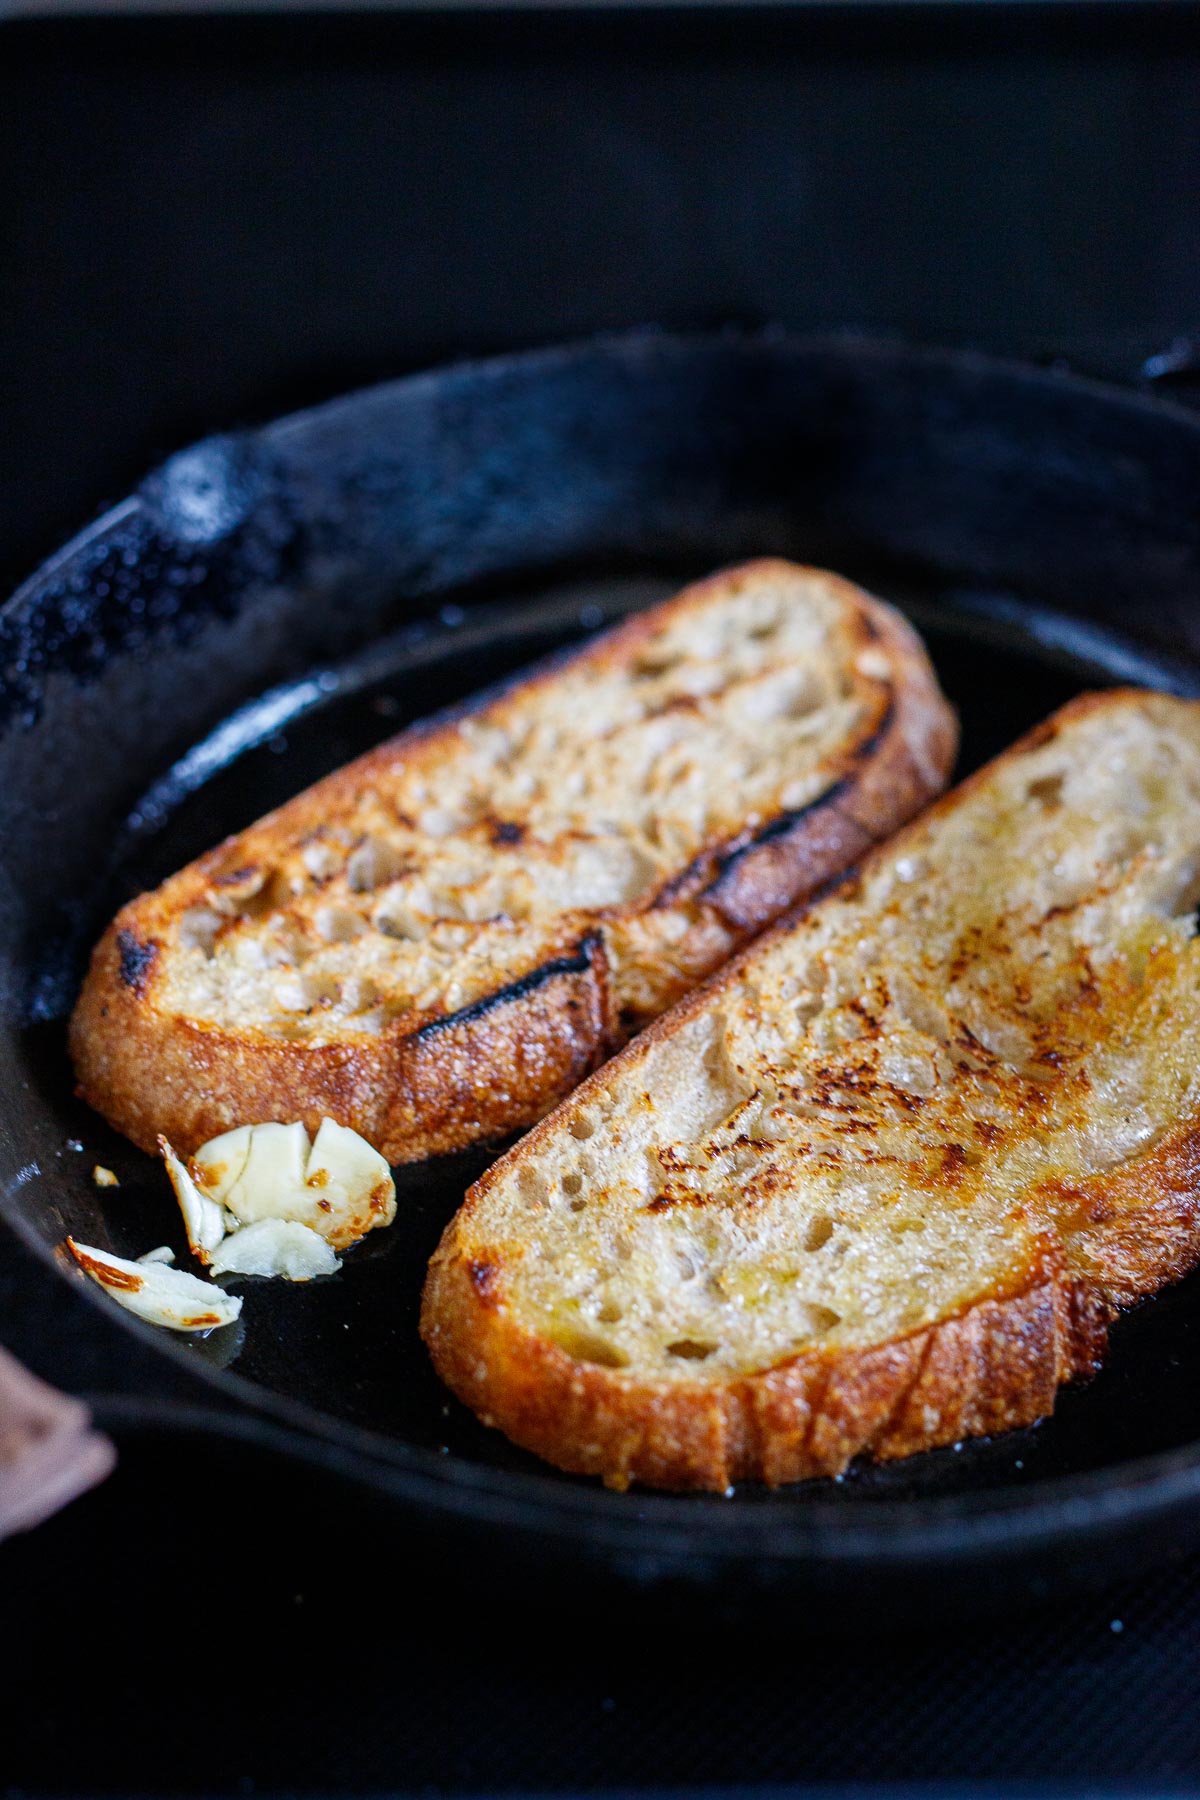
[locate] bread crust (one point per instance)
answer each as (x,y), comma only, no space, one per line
(497,1066)
(995,1365)
(437,1089)
(992,1368)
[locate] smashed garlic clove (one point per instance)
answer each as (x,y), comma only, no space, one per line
(271,1176)
(275,1247)
(203,1219)
(217,1166)
(350,1182)
(339,1187)
(157,1293)
(164,1254)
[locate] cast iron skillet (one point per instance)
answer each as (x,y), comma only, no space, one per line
(268,604)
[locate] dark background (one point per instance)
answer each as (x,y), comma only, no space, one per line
(280,1641)
(208,220)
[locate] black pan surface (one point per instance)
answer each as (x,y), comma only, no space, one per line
(293,632)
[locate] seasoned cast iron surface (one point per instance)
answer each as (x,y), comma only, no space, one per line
(270,557)
(348,1345)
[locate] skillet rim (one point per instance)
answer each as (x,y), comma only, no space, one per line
(775,1528)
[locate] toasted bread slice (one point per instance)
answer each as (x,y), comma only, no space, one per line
(882,1183)
(437,942)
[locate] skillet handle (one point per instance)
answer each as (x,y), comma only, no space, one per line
(49,1453)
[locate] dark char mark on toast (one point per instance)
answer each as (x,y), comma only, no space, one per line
(536,978)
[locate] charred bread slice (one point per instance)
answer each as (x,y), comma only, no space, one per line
(436,943)
(883,1182)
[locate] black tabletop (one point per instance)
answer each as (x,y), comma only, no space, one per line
(212,1621)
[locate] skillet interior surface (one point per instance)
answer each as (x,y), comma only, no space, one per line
(348,1344)
(338,1363)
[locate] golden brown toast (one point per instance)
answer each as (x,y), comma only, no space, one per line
(434,944)
(881,1184)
